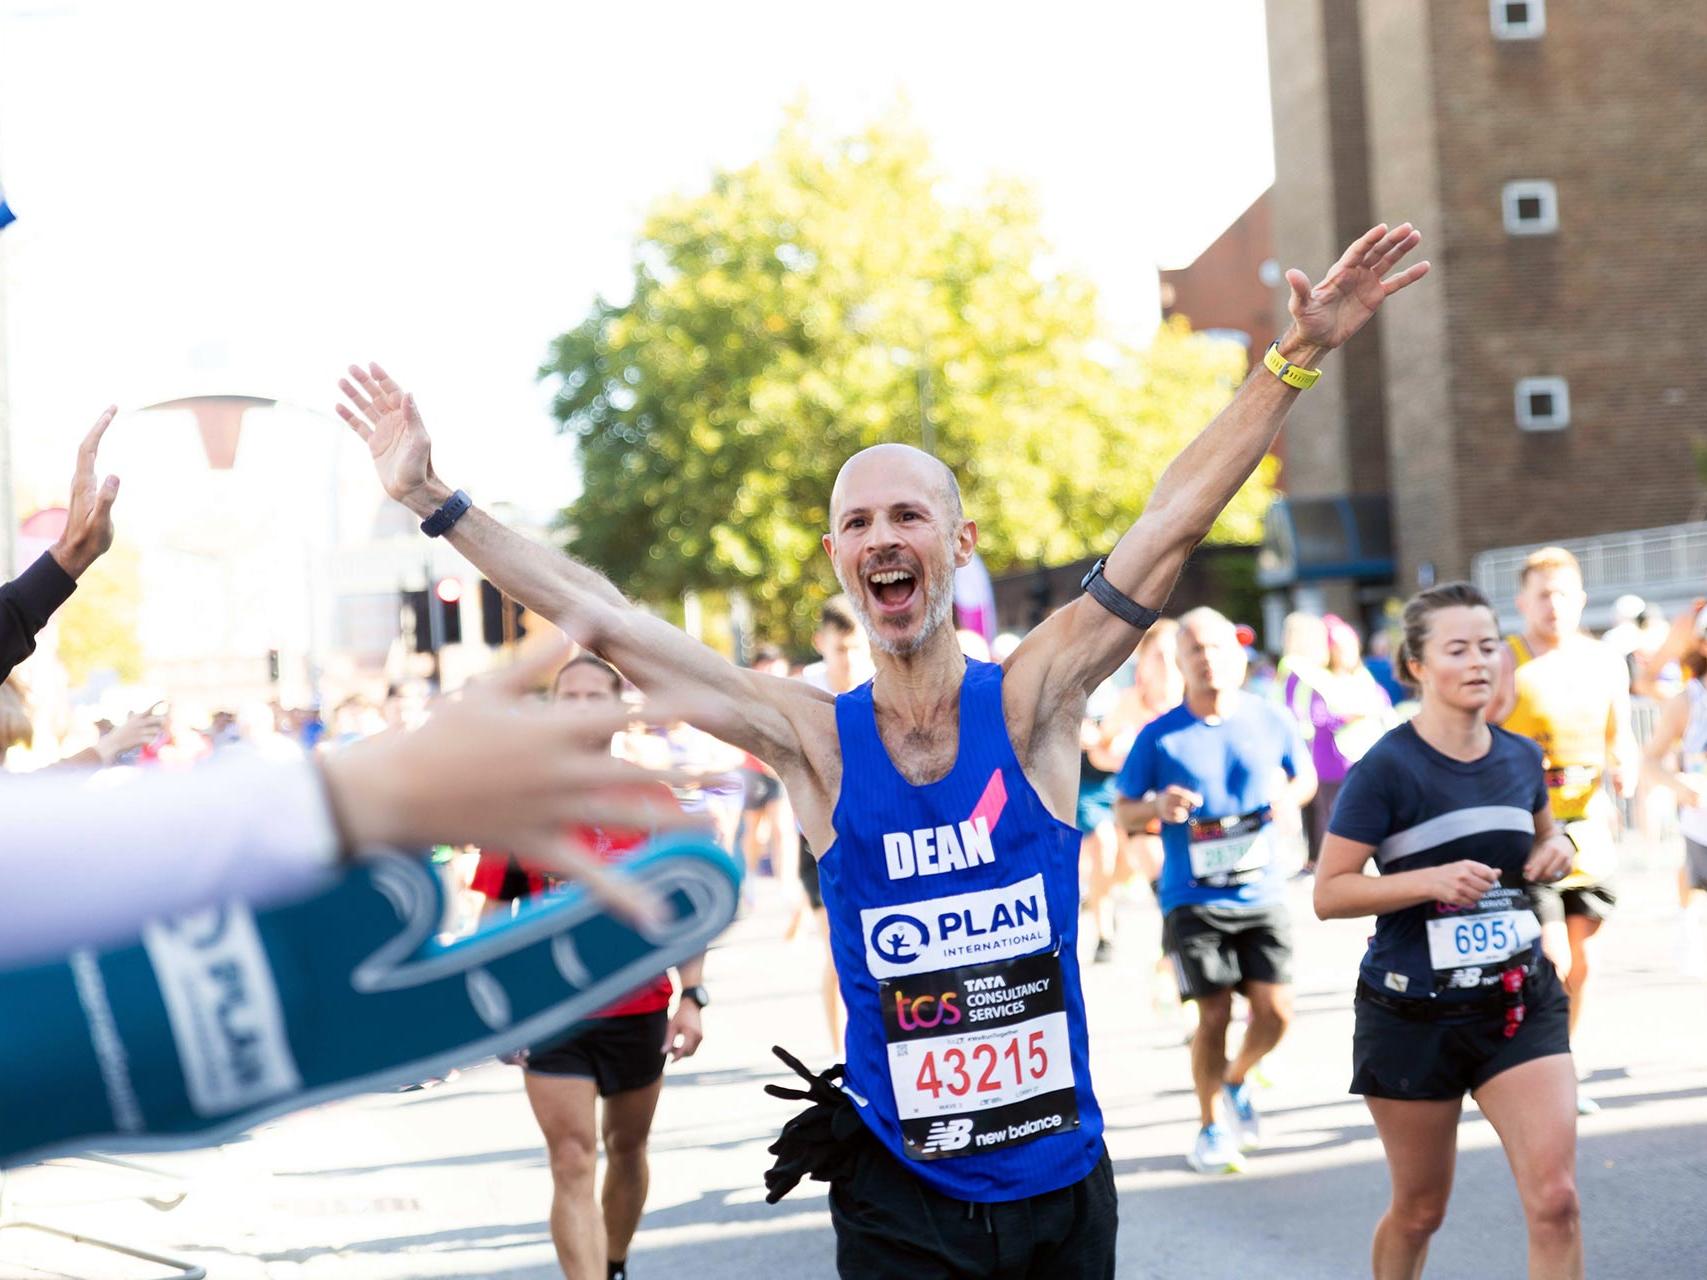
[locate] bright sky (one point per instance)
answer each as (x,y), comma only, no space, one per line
(231,196)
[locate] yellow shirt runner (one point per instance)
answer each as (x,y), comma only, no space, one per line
(1568,701)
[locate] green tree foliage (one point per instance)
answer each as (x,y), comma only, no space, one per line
(97,626)
(817,302)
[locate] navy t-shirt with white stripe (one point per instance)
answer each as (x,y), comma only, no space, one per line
(1420,808)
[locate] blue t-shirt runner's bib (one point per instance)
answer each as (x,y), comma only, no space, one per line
(1224,854)
(953,911)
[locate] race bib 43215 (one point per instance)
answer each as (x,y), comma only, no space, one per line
(979,1057)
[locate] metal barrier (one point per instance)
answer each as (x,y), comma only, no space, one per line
(1667,565)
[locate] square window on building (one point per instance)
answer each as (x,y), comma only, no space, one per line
(1530,207)
(1518,19)
(1543,404)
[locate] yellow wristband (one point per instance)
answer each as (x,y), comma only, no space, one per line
(1292,375)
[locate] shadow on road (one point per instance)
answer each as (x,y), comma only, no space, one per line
(508,1236)
(1319,1223)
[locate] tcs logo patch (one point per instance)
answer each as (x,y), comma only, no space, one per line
(915,1013)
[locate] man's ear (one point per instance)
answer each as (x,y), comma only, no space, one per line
(965,543)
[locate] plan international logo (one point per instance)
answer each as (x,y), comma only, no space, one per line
(960,929)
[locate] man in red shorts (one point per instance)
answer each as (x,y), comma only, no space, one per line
(618,1055)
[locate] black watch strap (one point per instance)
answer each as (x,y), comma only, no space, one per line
(698,994)
(439,523)
(1117,602)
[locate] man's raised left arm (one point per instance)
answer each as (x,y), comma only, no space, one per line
(1092,641)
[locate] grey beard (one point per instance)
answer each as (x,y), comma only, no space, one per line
(939,609)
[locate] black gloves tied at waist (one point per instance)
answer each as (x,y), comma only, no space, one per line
(821,1142)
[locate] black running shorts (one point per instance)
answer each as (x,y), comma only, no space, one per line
(891,1226)
(618,1054)
(1415,1060)
(809,876)
(1597,901)
(1695,864)
(1219,948)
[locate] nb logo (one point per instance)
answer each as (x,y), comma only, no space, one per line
(946,1135)
(899,938)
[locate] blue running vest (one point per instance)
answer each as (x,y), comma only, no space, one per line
(953,911)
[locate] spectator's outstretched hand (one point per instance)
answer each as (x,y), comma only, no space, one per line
(385,417)
(137,731)
(494,767)
(89,511)
(1327,314)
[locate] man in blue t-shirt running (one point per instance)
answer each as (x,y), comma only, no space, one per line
(1214,770)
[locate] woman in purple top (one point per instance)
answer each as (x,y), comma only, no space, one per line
(1343,712)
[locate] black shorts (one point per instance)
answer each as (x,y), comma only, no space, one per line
(758,790)
(618,1054)
(1695,864)
(1218,948)
(891,1226)
(809,876)
(1438,1060)
(1552,904)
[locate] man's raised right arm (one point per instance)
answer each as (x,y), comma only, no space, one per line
(736,705)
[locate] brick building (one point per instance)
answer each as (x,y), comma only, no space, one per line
(1227,289)
(1546,383)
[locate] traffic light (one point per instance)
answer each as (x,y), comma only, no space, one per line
(416,623)
(432,618)
(495,629)
(447,600)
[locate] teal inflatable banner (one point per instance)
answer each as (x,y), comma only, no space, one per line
(218,1021)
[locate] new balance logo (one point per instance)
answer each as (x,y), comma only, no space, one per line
(946,1135)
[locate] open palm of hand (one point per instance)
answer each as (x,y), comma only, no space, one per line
(1329,313)
(386,418)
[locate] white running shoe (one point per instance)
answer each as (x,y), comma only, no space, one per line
(1215,1152)
(1247,1125)
(1586,1106)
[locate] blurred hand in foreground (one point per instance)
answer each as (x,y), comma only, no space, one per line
(496,768)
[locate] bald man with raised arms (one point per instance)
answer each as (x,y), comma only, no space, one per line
(940,798)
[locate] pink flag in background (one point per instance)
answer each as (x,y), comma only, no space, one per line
(975,599)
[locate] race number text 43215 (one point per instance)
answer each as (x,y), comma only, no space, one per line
(979,1057)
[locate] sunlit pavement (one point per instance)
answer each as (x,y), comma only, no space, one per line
(452,1181)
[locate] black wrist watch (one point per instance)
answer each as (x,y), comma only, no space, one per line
(441,521)
(698,994)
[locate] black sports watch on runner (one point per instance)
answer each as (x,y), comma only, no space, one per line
(698,994)
(1117,601)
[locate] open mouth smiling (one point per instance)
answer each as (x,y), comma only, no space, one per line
(892,589)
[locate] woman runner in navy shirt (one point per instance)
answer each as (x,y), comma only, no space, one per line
(1454,994)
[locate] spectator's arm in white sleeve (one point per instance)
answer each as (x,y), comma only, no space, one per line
(87,859)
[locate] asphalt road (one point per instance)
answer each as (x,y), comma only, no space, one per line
(452,1181)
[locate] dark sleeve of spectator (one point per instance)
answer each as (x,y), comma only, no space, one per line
(26,603)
